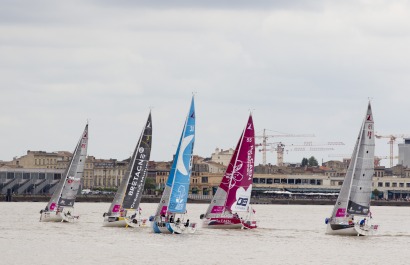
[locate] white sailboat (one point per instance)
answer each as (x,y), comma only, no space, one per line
(61,205)
(351,214)
(170,216)
(124,210)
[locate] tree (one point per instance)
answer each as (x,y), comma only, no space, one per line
(305,162)
(150,184)
(313,162)
(376,193)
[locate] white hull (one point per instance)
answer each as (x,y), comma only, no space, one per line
(56,217)
(181,228)
(355,230)
(124,222)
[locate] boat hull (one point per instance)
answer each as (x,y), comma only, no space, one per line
(160,228)
(56,217)
(181,228)
(351,230)
(110,221)
(229,223)
(222,223)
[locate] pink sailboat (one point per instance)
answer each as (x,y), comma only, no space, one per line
(230,207)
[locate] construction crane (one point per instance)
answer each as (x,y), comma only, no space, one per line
(279,147)
(392,138)
(265,137)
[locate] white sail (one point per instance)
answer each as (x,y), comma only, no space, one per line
(353,203)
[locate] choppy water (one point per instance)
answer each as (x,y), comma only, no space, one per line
(288,234)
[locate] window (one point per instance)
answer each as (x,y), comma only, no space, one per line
(255,180)
(26,175)
(269,181)
(41,176)
(387,184)
(204,180)
(276,180)
(407,185)
(340,183)
(10,175)
(394,184)
(401,185)
(291,181)
(380,184)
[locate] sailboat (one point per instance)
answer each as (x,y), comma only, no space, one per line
(351,214)
(232,198)
(61,205)
(124,210)
(171,216)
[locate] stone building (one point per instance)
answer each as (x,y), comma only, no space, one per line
(221,156)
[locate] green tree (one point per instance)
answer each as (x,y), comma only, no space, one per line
(313,162)
(305,162)
(149,184)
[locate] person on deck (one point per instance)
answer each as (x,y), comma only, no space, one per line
(178,221)
(171,219)
(363,222)
(187,223)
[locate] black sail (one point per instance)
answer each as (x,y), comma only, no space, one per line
(138,168)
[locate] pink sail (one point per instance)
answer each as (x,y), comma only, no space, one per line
(238,178)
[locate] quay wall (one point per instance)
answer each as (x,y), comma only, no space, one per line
(155,199)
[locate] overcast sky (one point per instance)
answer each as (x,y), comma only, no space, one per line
(303,67)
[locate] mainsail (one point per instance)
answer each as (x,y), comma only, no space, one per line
(69,184)
(175,194)
(234,191)
(355,194)
(129,193)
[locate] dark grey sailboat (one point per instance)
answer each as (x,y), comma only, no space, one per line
(124,211)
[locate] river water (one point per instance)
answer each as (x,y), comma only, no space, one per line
(287,234)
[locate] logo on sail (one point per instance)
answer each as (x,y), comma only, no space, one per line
(180,164)
(235,176)
(180,198)
(242,199)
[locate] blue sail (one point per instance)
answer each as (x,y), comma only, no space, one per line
(180,173)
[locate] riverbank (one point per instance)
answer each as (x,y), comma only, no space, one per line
(155,199)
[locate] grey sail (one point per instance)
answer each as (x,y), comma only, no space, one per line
(68,186)
(355,194)
(129,193)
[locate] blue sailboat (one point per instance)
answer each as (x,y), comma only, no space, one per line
(170,216)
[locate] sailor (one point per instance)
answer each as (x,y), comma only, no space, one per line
(178,221)
(363,222)
(171,219)
(187,223)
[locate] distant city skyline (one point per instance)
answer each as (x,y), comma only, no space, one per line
(301,67)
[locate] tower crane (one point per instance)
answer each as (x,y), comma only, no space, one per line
(265,137)
(279,147)
(392,138)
